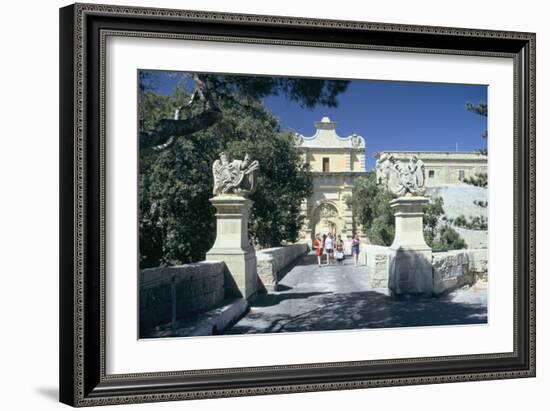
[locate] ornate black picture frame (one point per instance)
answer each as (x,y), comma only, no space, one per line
(83,30)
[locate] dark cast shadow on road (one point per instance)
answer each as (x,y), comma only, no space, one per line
(282,287)
(363,310)
(268,300)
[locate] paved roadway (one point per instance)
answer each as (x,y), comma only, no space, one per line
(336,297)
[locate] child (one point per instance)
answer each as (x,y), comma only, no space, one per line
(339,254)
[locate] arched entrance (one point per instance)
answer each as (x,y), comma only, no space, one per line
(326,219)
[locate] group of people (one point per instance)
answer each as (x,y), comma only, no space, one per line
(333,248)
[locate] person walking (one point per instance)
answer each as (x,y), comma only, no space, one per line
(355,245)
(329,247)
(339,253)
(318,246)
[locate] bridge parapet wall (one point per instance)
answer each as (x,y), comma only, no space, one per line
(272,260)
(170,293)
(451,269)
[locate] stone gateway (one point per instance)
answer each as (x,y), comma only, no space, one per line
(335,162)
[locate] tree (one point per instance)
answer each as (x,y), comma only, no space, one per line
(177,222)
(438,233)
(432,216)
(480,109)
(284,182)
(448,239)
(202,109)
(478,180)
(371,208)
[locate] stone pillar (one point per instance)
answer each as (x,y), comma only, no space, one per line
(305,231)
(232,245)
(347,229)
(410,269)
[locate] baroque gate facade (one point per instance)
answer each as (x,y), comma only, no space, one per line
(335,163)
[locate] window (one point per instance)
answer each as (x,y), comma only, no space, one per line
(460,175)
(431,173)
(326,167)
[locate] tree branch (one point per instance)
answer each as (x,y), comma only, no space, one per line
(167,129)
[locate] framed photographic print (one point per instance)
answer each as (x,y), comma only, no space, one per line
(260,204)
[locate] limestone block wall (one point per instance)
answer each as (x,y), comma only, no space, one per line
(457,268)
(377,260)
(478,262)
(272,260)
(451,269)
(168,292)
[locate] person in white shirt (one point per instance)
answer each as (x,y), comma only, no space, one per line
(329,247)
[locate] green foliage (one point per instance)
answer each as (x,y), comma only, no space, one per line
(480,109)
(478,180)
(177,222)
(370,203)
(202,107)
(448,239)
(154,107)
(460,221)
(482,204)
(432,215)
(471,223)
(283,182)
(306,92)
(439,235)
(371,209)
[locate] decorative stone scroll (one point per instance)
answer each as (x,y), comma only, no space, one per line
(356,140)
(298,139)
(401,179)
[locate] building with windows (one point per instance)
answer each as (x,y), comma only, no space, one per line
(335,162)
(443,168)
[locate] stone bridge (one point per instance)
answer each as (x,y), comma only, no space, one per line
(339,297)
(305,297)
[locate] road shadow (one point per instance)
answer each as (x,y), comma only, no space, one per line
(268,300)
(282,287)
(363,310)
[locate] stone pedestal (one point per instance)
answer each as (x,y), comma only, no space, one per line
(410,270)
(232,245)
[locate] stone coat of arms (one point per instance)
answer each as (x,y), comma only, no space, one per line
(401,179)
(234,177)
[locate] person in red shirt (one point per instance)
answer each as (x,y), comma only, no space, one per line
(318,246)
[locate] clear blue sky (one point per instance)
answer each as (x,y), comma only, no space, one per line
(391,115)
(396,116)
